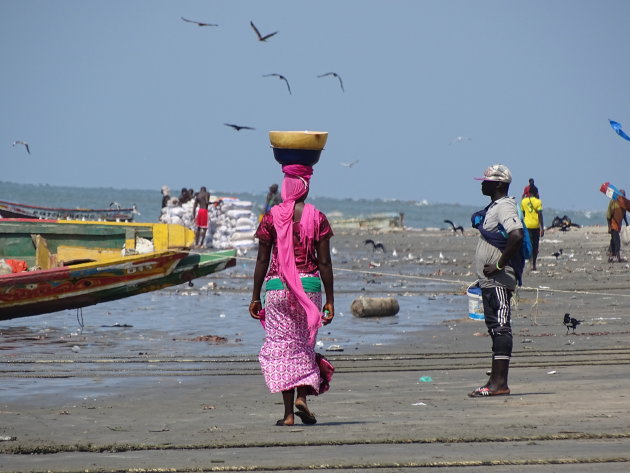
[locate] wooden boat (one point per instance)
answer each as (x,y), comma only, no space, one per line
(76,264)
(112,214)
(382,221)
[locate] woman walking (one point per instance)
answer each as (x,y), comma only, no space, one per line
(293,263)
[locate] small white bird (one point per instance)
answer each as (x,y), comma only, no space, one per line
(394,254)
(334,250)
(350,164)
(459,139)
(441,255)
(19,142)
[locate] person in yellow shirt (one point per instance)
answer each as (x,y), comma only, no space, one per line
(531,206)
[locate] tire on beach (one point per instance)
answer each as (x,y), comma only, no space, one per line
(374,307)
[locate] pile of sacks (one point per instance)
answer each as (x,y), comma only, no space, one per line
(232,222)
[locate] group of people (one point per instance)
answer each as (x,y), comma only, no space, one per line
(200,209)
(294,267)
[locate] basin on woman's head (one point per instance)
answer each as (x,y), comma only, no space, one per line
(298,139)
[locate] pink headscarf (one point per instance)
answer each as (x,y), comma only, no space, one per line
(295,185)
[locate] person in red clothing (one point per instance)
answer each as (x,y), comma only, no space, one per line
(615,216)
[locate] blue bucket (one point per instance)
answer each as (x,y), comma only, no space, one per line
(475,304)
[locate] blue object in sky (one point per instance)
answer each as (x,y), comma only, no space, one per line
(617,127)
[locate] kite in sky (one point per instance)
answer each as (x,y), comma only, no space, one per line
(617,127)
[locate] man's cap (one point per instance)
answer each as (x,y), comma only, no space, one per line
(497,173)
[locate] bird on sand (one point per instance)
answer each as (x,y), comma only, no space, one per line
(455,228)
(239,127)
(261,37)
(334,74)
(557,253)
(19,142)
(281,77)
(570,322)
(198,23)
(350,164)
(375,246)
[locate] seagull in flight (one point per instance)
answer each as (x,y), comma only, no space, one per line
(334,74)
(239,127)
(281,77)
(261,37)
(460,139)
(19,142)
(198,23)
(350,164)
(455,228)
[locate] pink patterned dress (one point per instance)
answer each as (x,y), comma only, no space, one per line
(287,358)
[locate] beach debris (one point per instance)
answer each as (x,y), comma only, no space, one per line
(334,348)
(425,379)
(527,340)
(118,325)
(76,348)
(552,372)
(334,74)
(419,404)
(204,338)
(7,438)
(374,306)
(570,322)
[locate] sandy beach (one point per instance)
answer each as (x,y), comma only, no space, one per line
(396,404)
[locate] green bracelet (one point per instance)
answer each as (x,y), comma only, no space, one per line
(499,267)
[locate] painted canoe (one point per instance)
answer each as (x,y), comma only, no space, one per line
(112,214)
(47,244)
(76,264)
(42,291)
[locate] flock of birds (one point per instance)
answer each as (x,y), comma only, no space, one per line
(263,38)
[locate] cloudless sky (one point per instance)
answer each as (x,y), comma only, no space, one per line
(125,94)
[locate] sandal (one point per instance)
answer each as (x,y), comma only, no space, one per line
(484,391)
(280,423)
(304,413)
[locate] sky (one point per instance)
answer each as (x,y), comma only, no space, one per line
(125,94)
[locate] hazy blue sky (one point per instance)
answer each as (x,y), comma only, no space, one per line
(125,94)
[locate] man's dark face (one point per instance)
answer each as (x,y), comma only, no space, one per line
(489,187)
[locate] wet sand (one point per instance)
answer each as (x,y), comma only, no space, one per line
(395,404)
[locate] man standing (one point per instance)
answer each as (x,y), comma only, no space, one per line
(273,197)
(497,264)
(615,216)
(531,206)
(202,200)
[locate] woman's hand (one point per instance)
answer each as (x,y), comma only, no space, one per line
(328,317)
(255,307)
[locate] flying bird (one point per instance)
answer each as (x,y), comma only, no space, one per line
(350,164)
(459,139)
(617,127)
(261,37)
(19,142)
(281,77)
(115,204)
(557,253)
(334,74)
(570,322)
(375,246)
(198,23)
(239,127)
(455,228)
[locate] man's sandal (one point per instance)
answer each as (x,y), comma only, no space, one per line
(484,391)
